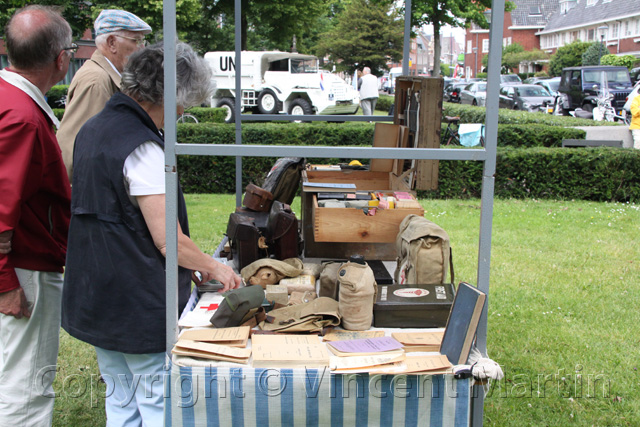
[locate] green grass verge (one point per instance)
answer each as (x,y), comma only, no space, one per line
(562,310)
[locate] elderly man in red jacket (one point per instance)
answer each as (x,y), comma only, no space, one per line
(34,215)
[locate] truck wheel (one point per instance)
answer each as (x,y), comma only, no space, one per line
(268,102)
(299,107)
(228,105)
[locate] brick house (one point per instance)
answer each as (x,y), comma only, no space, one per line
(615,22)
(86,47)
(521,25)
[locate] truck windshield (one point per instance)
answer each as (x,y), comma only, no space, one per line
(613,76)
(304,65)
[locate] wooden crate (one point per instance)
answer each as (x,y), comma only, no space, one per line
(341,232)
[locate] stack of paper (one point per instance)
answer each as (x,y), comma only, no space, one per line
(419,341)
(211,351)
(288,351)
(232,337)
(340,335)
(365,355)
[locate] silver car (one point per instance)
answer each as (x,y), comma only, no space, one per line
(474,94)
(551,85)
(524,97)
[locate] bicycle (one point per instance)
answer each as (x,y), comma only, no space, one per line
(187,118)
(451,135)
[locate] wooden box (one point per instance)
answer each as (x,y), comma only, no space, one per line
(342,232)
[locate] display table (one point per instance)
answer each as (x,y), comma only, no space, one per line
(226,394)
(231,396)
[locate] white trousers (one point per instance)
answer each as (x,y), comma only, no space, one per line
(636,138)
(135,388)
(29,353)
(368,106)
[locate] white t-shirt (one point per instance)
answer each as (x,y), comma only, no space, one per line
(144,171)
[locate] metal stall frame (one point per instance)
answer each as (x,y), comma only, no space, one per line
(487,155)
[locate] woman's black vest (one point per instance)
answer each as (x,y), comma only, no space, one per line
(114,286)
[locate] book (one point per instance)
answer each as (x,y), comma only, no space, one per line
(211,351)
(232,337)
(340,335)
(419,341)
(288,351)
(364,347)
(328,187)
(365,363)
(462,323)
(200,316)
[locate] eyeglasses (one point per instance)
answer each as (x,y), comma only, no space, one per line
(73,48)
(139,41)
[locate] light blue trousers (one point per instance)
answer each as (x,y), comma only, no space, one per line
(135,388)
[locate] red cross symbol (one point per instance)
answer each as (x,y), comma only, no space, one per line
(211,307)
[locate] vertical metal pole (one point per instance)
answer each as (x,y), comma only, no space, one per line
(488,186)
(407,38)
(238,101)
(171,173)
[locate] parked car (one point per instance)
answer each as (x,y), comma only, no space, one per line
(474,94)
(634,74)
(551,85)
(524,97)
(580,87)
(532,80)
(452,92)
(513,79)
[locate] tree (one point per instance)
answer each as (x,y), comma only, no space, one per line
(276,21)
(76,12)
(456,13)
(366,33)
(567,56)
(624,60)
(591,56)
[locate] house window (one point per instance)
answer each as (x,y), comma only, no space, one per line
(614,30)
(508,41)
(469,46)
(591,34)
(591,2)
(485,45)
(627,28)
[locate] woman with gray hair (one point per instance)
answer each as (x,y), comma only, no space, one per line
(114,293)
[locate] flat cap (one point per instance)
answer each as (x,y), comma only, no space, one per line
(111,20)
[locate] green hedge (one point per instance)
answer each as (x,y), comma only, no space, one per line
(207,114)
(597,174)
(561,173)
(57,96)
(384,103)
(471,114)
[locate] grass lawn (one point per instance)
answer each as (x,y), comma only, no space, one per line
(563,310)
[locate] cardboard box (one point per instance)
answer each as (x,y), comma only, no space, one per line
(413,306)
(342,232)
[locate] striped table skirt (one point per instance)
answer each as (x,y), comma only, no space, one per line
(230,396)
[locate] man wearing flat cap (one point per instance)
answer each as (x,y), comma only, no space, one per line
(118,35)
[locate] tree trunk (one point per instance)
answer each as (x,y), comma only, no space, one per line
(243,30)
(436,48)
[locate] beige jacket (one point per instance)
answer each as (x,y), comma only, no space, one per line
(92,86)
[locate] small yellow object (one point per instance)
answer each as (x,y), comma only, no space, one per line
(355,163)
(374,203)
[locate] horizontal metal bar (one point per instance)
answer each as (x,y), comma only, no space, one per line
(476,154)
(314,118)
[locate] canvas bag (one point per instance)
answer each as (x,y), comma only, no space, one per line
(238,306)
(424,253)
(284,178)
(357,289)
(307,317)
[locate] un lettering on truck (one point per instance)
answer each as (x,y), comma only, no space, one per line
(279,83)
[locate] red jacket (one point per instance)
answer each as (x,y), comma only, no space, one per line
(35,193)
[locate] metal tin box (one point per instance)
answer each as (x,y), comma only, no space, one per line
(413,306)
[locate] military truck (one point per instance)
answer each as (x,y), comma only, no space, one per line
(279,83)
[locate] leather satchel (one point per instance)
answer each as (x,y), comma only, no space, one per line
(257,199)
(247,242)
(282,229)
